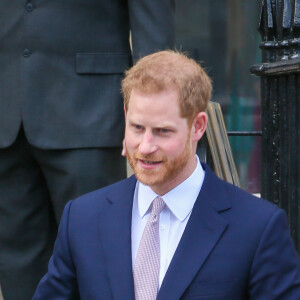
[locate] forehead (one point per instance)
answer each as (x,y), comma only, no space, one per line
(155,110)
(165,102)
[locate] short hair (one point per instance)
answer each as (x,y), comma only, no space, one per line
(167,70)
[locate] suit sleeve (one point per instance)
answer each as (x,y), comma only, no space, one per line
(60,281)
(275,272)
(152,26)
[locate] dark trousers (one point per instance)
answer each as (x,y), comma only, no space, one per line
(35,185)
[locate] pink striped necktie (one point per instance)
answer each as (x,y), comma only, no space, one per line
(147,262)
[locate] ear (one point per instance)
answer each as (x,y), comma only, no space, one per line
(125,112)
(199,126)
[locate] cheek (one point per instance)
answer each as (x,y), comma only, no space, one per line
(130,140)
(174,148)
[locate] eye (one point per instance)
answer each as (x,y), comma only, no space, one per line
(163,130)
(138,127)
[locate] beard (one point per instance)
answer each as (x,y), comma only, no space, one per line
(168,170)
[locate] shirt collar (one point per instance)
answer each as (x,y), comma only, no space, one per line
(180,200)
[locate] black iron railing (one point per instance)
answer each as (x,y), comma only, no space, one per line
(279,27)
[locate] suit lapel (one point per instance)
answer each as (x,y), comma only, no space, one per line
(205,227)
(115,234)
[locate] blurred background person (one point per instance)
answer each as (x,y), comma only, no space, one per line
(61,115)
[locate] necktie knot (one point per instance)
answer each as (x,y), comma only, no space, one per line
(157,206)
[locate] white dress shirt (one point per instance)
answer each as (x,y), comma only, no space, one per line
(173,219)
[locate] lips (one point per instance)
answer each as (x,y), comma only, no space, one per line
(149,164)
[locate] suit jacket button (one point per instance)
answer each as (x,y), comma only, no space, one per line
(29,7)
(26,52)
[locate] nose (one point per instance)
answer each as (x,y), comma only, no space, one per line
(147,145)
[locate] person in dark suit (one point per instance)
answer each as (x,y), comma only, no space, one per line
(209,239)
(61,115)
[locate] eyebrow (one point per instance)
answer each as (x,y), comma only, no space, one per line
(162,125)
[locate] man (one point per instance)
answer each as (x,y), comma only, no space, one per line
(61,114)
(174,230)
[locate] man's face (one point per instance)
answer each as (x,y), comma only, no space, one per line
(158,141)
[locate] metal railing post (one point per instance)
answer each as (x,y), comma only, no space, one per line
(279,27)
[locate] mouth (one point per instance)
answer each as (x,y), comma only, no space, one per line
(149,164)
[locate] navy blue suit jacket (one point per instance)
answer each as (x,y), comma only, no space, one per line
(235,246)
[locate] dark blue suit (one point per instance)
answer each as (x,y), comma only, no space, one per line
(235,246)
